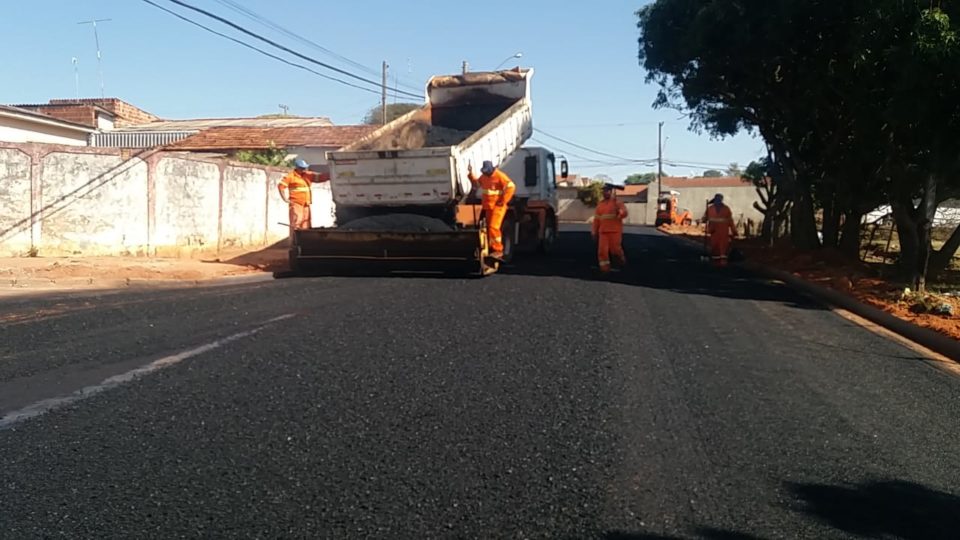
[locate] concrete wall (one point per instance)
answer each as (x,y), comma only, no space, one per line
(574,211)
(61,200)
(15,197)
(739,199)
(17,130)
(88,203)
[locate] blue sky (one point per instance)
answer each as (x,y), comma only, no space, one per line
(587,88)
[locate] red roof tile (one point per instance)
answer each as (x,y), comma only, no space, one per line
(249,138)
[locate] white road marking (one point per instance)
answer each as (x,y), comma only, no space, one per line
(36,409)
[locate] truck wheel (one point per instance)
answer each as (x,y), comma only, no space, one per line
(549,235)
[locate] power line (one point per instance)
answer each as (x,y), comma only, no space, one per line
(591,150)
(261,51)
(281,47)
(256,17)
(573,154)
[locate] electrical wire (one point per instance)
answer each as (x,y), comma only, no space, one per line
(261,51)
(256,17)
(591,150)
(576,155)
(281,47)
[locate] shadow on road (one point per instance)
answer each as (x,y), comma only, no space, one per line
(272,258)
(881,509)
(655,261)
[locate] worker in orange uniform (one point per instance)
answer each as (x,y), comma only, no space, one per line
(608,229)
(721,229)
(297,183)
(496,189)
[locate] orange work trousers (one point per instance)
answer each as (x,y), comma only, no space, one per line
(495,217)
(610,244)
(299,217)
(719,248)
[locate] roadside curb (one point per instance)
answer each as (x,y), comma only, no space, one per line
(90,284)
(925,337)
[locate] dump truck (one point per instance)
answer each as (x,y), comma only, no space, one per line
(404,201)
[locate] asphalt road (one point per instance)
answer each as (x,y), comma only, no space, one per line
(668,401)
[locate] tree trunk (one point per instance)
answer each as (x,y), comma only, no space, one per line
(831,223)
(850,238)
(803,221)
(928,211)
(914,227)
(940,260)
(903,215)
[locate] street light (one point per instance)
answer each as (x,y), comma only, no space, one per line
(507,59)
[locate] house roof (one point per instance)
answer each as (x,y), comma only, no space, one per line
(632,190)
(207,123)
(17,112)
(248,138)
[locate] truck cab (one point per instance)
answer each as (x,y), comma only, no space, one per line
(531,222)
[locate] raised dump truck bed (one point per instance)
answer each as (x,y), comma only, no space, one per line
(404,199)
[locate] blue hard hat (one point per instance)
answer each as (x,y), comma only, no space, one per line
(300,164)
(487,167)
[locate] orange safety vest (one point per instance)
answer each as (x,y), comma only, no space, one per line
(298,184)
(493,188)
(609,216)
(719,219)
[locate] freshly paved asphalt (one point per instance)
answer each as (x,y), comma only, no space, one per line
(668,401)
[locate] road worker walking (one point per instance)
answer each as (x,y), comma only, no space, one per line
(720,229)
(495,189)
(608,229)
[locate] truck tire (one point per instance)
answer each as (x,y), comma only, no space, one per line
(549,236)
(398,223)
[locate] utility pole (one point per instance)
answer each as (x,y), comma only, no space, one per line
(659,158)
(76,76)
(96,38)
(284,108)
(383,95)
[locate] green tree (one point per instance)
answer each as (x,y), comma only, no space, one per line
(394,110)
(590,194)
(862,113)
(734,170)
(712,173)
(273,156)
(641,178)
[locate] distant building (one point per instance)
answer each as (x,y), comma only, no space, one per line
(25,126)
(308,142)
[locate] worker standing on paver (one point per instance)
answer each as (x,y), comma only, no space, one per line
(608,229)
(720,229)
(496,189)
(297,184)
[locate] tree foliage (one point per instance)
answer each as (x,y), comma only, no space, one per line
(273,156)
(712,173)
(856,102)
(394,110)
(590,194)
(642,178)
